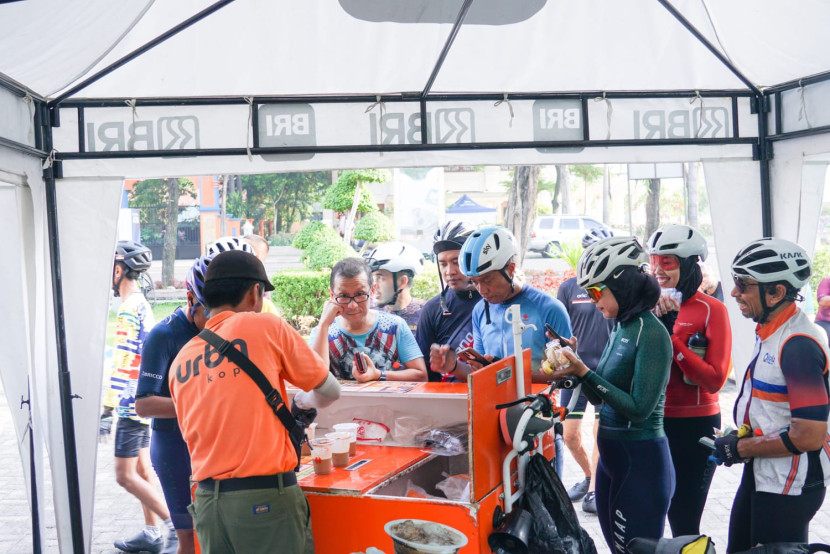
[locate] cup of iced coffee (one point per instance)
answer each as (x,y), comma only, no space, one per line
(321,455)
(350,428)
(339,448)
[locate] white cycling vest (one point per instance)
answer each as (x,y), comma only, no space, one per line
(764,396)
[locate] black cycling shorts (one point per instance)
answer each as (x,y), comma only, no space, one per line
(130,437)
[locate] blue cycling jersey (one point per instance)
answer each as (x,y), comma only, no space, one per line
(160,348)
(537,308)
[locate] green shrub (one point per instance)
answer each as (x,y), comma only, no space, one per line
(375,227)
(566,251)
(324,253)
(426,285)
(313,231)
(281,239)
(299,294)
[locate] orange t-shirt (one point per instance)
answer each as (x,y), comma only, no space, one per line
(229,428)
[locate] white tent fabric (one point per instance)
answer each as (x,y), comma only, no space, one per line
(283,60)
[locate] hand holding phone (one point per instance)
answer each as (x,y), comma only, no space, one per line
(359,364)
(469,354)
(553,333)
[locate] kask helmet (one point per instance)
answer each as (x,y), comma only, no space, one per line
(606,257)
(678,240)
(451,235)
(596,234)
(395,257)
(223,244)
(195,280)
(770,260)
(487,249)
(135,256)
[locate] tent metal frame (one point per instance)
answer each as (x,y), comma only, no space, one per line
(47,116)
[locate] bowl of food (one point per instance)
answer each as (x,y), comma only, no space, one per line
(417,536)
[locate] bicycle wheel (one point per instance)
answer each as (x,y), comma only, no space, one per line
(148,289)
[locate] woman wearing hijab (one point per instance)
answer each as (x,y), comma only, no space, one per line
(635,478)
(701,344)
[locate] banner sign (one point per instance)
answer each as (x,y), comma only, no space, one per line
(310,126)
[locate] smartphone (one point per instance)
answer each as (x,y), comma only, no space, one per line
(470,354)
(359,363)
(556,335)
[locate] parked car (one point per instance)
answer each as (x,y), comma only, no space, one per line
(549,231)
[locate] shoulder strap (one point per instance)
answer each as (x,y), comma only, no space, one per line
(272,395)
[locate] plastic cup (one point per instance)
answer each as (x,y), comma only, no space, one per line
(309,433)
(350,428)
(451,540)
(340,448)
(321,455)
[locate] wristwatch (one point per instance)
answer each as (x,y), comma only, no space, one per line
(382,375)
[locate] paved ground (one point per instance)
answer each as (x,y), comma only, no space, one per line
(117,514)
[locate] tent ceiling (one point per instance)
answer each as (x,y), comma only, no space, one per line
(277,48)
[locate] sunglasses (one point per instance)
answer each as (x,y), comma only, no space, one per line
(666,262)
(595,292)
(741,285)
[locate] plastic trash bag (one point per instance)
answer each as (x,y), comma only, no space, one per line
(556,528)
(455,487)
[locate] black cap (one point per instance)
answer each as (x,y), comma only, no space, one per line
(237,264)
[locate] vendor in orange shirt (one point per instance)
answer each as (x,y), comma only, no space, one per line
(236,441)
(361,343)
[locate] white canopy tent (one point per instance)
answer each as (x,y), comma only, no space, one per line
(92,91)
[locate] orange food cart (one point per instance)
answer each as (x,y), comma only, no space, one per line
(350,507)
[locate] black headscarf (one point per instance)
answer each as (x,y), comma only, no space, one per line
(635,292)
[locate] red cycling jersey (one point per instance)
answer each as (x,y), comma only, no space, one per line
(707,314)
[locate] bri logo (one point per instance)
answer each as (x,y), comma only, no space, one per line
(769,358)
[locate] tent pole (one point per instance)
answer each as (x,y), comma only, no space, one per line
(764,155)
(36,541)
(64,381)
(462,13)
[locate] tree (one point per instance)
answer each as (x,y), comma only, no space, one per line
(606,194)
(284,198)
(588,174)
(652,206)
(349,195)
(374,227)
(563,189)
(521,205)
(166,193)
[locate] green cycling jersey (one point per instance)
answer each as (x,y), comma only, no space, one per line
(631,380)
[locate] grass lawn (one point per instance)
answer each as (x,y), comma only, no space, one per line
(160,311)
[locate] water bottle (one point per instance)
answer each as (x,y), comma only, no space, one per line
(698,343)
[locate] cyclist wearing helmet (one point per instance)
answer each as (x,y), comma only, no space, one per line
(593,329)
(692,407)
(168,451)
(446,319)
(132,433)
(394,265)
(488,257)
(360,343)
(783,400)
(634,478)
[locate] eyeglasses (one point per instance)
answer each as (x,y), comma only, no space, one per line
(741,285)
(344,299)
(665,262)
(595,292)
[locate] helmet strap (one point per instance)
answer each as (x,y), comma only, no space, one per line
(509,279)
(395,295)
(767,310)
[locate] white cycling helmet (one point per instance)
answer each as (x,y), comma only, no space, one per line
(487,249)
(395,257)
(603,258)
(223,244)
(678,240)
(596,234)
(771,260)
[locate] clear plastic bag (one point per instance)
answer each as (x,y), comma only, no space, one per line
(444,441)
(408,427)
(455,487)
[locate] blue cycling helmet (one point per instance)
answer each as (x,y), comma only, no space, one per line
(488,249)
(195,280)
(595,235)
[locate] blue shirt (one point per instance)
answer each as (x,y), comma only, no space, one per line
(388,341)
(536,307)
(160,348)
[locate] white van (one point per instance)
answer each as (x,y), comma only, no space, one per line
(555,229)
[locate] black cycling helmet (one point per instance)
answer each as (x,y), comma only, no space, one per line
(451,235)
(135,256)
